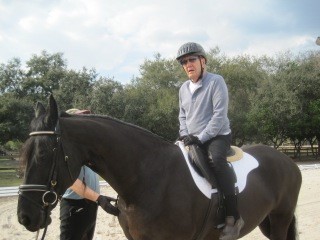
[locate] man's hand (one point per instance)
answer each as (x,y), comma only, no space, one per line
(181,138)
(104,202)
(110,199)
(190,139)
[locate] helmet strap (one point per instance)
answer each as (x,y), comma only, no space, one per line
(202,70)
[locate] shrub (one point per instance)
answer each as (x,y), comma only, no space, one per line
(14,145)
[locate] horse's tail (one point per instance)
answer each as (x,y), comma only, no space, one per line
(292,230)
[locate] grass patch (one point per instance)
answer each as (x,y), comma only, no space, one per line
(8,178)
(8,173)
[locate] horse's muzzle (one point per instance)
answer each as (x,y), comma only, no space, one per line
(31,226)
(32,216)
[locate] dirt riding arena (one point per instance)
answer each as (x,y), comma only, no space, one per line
(308,216)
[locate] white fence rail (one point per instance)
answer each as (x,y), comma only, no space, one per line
(8,191)
(13,191)
(309,166)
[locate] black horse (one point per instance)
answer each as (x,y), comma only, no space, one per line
(158,199)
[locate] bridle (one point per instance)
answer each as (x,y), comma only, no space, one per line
(49,192)
(49,188)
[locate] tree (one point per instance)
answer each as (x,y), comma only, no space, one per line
(305,78)
(15,116)
(315,109)
(75,89)
(107,97)
(11,77)
(44,75)
(15,109)
(275,104)
(151,101)
(242,75)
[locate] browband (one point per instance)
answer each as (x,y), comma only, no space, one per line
(42,133)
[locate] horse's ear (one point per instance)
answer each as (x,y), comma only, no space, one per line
(39,109)
(52,113)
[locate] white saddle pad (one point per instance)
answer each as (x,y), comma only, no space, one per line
(241,167)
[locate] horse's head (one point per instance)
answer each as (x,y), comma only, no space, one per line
(40,190)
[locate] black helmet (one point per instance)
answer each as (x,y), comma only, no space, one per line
(191,48)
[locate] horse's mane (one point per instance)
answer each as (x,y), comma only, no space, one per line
(38,124)
(28,147)
(26,151)
(118,121)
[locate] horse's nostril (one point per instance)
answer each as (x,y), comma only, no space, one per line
(24,220)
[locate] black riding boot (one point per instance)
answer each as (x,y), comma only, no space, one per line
(217,150)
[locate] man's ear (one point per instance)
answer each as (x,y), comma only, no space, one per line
(203,60)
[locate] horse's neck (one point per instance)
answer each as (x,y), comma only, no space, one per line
(121,154)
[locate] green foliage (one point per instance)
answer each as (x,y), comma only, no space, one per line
(9,178)
(107,98)
(11,77)
(242,75)
(44,75)
(13,145)
(75,89)
(151,101)
(15,116)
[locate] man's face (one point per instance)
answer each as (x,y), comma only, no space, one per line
(192,66)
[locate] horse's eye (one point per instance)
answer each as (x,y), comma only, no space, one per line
(42,155)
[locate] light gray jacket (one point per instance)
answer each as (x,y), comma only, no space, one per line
(205,112)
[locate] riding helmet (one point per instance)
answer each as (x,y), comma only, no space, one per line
(191,48)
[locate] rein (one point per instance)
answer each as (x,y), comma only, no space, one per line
(49,189)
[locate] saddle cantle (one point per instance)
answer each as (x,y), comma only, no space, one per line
(234,154)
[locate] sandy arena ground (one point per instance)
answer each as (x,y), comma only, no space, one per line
(308,214)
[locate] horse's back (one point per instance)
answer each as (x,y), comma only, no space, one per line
(272,158)
(276,168)
(272,188)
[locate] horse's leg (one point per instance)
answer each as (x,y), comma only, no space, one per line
(279,225)
(292,231)
(265,227)
(124,225)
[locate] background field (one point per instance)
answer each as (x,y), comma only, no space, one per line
(9,170)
